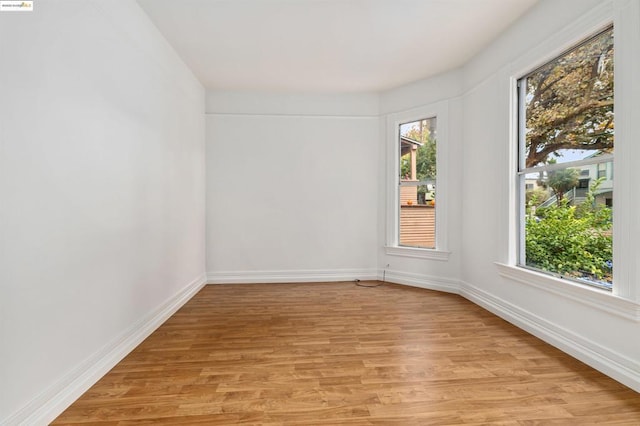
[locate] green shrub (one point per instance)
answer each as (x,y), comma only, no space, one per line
(536,196)
(574,245)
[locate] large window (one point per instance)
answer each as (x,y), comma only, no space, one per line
(566,141)
(417,184)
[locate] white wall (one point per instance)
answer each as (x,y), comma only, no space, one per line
(291,187)
(273,243)
(407,103)
(598,328)
(102,192)
(102,182)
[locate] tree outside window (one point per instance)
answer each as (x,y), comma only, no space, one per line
(566,127)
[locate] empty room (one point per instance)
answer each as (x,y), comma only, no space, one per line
(358,212)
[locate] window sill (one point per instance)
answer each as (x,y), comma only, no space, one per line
(587,295)
(420,253)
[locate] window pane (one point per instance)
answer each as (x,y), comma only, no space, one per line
(602,170)
(417,183)
(569,105)
(567,217)
(568,226)
(536,191)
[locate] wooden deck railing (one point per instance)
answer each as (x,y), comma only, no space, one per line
(418,226)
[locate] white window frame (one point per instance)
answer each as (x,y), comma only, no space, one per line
(624,300)
(440,111)
(523,171)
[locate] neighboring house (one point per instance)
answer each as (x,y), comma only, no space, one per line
(532,184)
(417,213)
(588,174)
(409,194)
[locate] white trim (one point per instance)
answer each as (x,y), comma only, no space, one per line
(611,363)
(513,186)
(420,253)
(427,282)
(52,401)
(290,276)
(318,116)
(626,222)
(277,104)
(587,295)
(596,19)
(625,27)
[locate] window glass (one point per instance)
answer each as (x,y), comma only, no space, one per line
(417,183)
(566,146)
(569,105)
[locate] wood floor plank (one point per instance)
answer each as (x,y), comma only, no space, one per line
(340,354)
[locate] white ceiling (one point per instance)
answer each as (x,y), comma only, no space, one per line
(327,45)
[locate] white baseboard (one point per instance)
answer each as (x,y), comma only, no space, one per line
(51,402)
(419,280)
(611,363)
(290,276)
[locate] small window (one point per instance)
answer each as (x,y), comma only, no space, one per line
(417,183)
(566,140)
(602,171)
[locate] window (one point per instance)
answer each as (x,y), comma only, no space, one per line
(566,127)
(602,170)
(417,195)
(583,183)
(417,184)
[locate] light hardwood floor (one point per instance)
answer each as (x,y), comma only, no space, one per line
(339,354)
